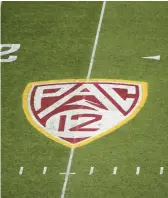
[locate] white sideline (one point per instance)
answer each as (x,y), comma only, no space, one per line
(88,77)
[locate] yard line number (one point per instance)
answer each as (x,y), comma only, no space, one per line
(11,49)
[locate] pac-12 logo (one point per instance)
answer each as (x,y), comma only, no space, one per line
(76,112)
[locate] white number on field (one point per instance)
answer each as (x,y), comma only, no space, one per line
(12,48)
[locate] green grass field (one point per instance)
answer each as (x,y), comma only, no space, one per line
(56,40)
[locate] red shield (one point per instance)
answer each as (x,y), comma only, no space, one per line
(76,112)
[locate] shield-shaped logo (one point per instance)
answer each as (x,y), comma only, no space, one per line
(76,112)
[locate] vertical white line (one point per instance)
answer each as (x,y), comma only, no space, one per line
(67,173)
(96,40)
(137,170)
(44,170)
(88,77)
(21,170)
(115,171)
(161,170)
(91,170)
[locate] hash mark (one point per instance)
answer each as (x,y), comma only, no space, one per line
(66,173)
(115,171)
(91,170)
(137,170)
(44,170)
(161,170)
(21,170)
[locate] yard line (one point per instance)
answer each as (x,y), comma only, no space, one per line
(96,40)
(91,170)
(88,77)
(44,170)
(21,170)
(115,171)
(67,173)
(161,170)
(137,170)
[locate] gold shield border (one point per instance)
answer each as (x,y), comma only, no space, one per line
(133,114)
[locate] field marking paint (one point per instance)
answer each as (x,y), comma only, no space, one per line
(66,173)
(161,170)
(44,170)
(30,116)
(21,170)
(88,77)
(152,57)
(12,49)
(96,40)
(115,171)
(91,170)
(138,171)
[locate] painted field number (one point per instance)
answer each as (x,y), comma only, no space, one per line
(80,127)
(12,48)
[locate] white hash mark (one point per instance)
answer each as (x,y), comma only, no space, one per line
(91,170)
(66,173)
(137,170)
(115,171)
(21,170)
(161,170)
(44,170)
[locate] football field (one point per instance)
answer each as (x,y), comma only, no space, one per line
(65,44)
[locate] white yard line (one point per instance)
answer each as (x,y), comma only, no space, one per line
(21,170)
(96,40)
(88,77)
(67,173)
